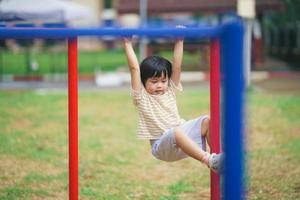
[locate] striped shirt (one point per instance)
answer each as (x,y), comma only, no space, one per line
(157,113)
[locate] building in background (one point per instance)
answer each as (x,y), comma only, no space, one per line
(171,12)
(194,13)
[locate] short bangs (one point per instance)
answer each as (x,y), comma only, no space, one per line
(155,66)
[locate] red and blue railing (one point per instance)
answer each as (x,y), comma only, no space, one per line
(226,56)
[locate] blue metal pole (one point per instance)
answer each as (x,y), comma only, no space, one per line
(25,33)
(233,103)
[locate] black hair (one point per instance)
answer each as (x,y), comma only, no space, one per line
(155,66)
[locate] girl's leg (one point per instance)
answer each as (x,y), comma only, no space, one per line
(189,147)
(215,160)
(205,129)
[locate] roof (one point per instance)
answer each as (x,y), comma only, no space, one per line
(158,6)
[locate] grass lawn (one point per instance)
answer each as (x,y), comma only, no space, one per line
(115,165)
(88,62)
(50,62)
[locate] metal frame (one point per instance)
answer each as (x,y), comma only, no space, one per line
(226,49)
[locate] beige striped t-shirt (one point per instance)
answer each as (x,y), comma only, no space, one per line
(157,113)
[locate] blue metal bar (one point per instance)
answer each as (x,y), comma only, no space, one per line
(25,33)
(233,115)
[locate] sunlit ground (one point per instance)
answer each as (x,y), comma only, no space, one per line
(113,164)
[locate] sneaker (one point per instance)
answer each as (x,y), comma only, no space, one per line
(216,162)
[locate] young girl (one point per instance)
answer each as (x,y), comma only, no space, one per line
(154,83)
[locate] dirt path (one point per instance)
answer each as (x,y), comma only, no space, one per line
(280,84)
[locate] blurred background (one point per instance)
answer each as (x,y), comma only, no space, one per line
(273,34)
(112,163)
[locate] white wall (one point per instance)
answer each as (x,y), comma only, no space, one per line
(96,9)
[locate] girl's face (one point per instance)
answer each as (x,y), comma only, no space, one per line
(157,85)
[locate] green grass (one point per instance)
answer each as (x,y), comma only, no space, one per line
(114,165)
(88,62)
(50,62)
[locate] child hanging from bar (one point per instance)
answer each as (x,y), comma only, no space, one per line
(154,84)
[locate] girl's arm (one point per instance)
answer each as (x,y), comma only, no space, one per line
(177,61)
(133,65)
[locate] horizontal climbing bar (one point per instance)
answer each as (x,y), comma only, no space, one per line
(36,32)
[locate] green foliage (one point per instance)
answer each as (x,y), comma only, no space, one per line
(57,62)
(88,62)
(290,14)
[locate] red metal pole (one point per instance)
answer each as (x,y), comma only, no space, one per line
(73,118)
(215,112)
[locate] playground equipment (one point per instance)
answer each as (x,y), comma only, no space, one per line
(226,51)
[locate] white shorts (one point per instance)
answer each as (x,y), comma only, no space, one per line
(165,147)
